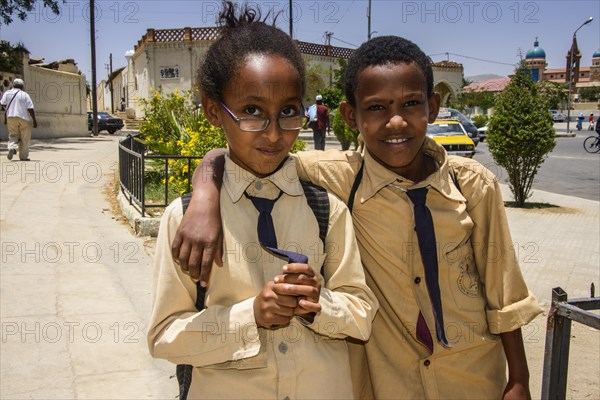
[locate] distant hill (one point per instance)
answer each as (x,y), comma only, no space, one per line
(481,78)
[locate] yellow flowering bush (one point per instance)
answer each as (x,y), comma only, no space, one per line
(174,126)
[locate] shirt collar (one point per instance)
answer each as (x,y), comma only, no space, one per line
(237,180)
(376,176)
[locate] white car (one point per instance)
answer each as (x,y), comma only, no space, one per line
(482,133)
(558,116)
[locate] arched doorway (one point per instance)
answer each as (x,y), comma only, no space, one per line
(445,91)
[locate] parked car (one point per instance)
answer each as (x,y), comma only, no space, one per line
(557,116)
(452,136)
(106,122)
(451,113)
(482,133)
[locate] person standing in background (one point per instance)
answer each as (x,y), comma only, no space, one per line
(321,123)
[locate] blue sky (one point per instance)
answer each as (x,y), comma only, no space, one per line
(470,31)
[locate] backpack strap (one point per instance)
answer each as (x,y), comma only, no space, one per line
(318,201)
(355,186)
(454,178)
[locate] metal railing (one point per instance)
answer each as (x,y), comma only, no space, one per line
(558,336)
(133,166)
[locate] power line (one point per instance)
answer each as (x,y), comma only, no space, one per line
(472,58)
(343,41)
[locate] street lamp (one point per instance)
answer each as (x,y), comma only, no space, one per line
(571,64)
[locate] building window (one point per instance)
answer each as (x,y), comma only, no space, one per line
(169,72)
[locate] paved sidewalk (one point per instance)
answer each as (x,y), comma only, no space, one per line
(75,282)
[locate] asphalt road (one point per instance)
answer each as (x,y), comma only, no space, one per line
(568,170)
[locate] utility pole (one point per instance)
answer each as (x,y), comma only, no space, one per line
(571,71)
(110,84)
(328,36)
(291,19)
(93,46)
(369,21)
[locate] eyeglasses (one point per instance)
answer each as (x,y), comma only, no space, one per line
(260,124)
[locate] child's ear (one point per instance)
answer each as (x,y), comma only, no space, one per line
(434,107)
(211,110)
(348,114)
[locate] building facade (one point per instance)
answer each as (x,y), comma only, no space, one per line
(583,76)
(170,58)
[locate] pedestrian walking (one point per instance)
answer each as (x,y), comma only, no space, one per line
(19,116)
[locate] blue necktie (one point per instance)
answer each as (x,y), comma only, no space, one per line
(266,230)
(427,246)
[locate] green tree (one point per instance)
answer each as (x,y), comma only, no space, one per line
(554,94)
(342,131)
(338,74)
(589,93)
(8,8)
(332,97)
(521,133)
(11,57)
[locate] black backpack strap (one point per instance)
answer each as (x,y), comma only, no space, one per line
(184,378)
(355,186)
(318,201)
(184,371)
(454,178)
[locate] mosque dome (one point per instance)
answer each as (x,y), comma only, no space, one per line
(596,54)
(536,52)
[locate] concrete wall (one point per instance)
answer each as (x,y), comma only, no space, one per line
(59,100)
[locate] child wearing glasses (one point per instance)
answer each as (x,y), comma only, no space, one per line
(275,319)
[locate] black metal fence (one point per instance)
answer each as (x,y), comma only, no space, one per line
(558,336)
(133,166)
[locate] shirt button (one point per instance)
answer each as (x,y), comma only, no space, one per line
(417,280)
(426,363)
(258,185)
(283,348)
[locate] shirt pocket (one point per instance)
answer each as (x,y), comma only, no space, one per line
(463,281)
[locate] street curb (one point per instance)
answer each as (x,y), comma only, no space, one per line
(142,226)
(565,135)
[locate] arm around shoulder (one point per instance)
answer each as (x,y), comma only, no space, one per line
(334,170)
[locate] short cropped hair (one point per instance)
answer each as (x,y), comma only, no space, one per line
(384,50)
(242,36)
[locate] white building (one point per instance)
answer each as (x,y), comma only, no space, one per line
(170,58)
(58,93)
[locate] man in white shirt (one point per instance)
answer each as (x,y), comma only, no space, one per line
(19,118)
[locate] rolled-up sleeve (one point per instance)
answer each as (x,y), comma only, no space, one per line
(178,332)
(510,305)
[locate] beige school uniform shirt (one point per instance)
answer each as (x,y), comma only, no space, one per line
(233,358)
(482,290)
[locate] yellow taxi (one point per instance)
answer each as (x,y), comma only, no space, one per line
(452,136)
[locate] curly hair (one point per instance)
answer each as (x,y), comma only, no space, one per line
(243,36)
(384,50)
